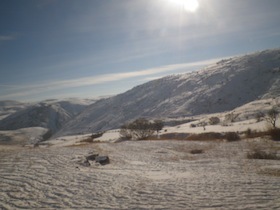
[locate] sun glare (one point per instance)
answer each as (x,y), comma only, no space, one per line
(188,5)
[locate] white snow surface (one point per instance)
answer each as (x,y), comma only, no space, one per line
(141,175)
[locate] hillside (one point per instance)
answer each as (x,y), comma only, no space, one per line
(220,87)
(9,107)
(50,114)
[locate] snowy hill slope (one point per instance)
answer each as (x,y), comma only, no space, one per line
(220,87)
(50,114)
(24,136)
(10,107)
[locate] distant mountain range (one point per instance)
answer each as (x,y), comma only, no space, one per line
(10,107)
(220,87)
(50,114)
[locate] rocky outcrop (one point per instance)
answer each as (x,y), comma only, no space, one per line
(92,158)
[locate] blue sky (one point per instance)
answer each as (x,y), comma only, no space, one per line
(89,48)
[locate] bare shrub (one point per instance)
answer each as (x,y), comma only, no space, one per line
(125,133)
(87,140)
(157,125)
(265,146)
(214,120)
(231,117)
(255,134)
(261,154)
(205,136)
(196,151)
(192,125)
(90,139)
(259,116)
(139,129)
(271,172)
(97,135)
(232,136)
(174,136)
(274,134)
(248,133)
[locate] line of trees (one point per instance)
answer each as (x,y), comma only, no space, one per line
(140,129)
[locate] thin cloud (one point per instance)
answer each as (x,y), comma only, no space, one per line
(7,38)
(10,86)
(29,90)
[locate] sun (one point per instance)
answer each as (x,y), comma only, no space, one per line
(188,5)
(191,5)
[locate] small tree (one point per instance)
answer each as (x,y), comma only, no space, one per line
(139,129)
(232,136)
(272,116)
(158,125)
(259,116)
(125,133)
(231,117)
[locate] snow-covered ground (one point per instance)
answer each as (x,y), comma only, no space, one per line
(25,136)
(245,119)
(141,175)
(234,127)
(113,135)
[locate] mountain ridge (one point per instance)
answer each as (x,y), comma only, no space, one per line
(51,114)
(223,86)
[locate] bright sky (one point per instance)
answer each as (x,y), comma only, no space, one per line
(89,48)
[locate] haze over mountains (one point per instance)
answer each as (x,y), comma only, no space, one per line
(223,86)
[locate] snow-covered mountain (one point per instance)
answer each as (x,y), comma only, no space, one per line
(24,136)
(9,107)
(50,114)
(220,87)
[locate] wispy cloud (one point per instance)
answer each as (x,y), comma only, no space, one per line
(7,38)
(29,90)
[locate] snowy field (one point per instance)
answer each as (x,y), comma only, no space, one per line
(36,174)
(141,175)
